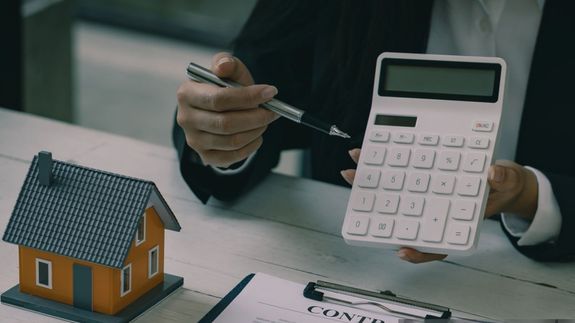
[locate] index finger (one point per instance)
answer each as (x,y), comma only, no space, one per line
(219,99)
(226,65)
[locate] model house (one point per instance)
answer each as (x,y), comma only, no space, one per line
(88,238)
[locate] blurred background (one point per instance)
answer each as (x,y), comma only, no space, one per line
(113,65)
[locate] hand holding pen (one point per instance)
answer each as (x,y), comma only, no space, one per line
(224,125)
(220,116)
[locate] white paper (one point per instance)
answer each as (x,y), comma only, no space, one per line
(268,299)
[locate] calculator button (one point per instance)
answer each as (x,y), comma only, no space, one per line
(463,210)
(468,186)
(458,234)
(478,142)
(358,224)
(448,160)
(374,155)
(393,180)
(363,201)
(443,184)
(418,182)
(403,138)
(381,227)
(387,203)
(453,141)
(379,136)
(407,229)
(435,216)
(483,126)
(474,162)
(398,156)
(368,177)
(423,158)
(428,140)
(412,205)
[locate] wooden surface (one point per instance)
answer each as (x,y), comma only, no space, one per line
(287,227)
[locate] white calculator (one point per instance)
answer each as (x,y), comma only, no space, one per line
(421,180)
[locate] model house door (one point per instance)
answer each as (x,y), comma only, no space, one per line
(82,287)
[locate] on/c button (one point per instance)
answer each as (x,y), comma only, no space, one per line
(483,126)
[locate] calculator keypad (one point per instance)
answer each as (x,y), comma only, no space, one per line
(420,187)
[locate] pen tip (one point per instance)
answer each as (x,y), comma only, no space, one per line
(334,131)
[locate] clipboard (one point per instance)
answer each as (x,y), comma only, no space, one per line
(383,303)
(384,300)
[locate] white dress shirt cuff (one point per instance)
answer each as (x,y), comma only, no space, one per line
(223,171)
(546,223)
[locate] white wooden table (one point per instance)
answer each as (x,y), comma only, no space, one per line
(288,227)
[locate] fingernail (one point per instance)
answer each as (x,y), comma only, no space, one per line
(225,59)
(269,92)
(345,173)
(498,174)
(402,254)
(352,152)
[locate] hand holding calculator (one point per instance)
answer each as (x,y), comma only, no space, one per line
(421,180)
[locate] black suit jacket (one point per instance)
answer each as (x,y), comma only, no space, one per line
(294,52)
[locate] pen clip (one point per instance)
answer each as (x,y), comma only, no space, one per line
(194,78)
(203,75)
(374,299)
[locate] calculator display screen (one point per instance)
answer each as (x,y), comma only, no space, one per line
(399,121)
(444,80)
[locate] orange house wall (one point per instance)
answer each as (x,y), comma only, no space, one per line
(138,257)
(106,293)
(62,276)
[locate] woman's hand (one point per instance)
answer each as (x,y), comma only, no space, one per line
(513,189)
(224,125)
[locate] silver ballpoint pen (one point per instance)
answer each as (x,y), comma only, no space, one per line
(203,75)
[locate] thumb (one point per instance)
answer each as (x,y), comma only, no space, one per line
(496,177)
(502,178)
(227,66)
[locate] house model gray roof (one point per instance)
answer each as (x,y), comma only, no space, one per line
(83,213)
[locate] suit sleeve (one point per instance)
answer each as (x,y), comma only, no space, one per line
(563,248)
(275,44)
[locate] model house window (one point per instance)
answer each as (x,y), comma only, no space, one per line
(126,280)
(141,232)
(44,273)
(153,261)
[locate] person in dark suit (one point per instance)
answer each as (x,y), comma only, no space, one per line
(321,56)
